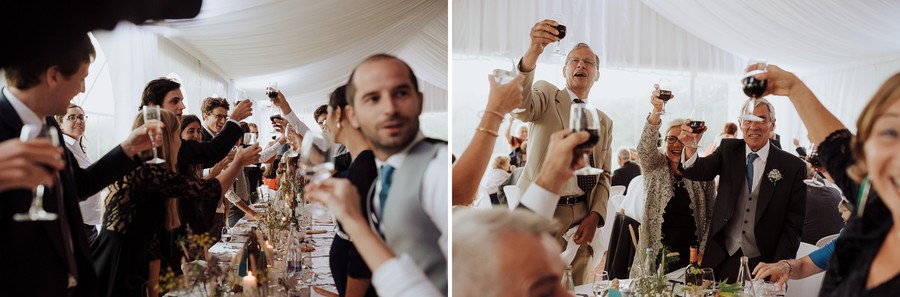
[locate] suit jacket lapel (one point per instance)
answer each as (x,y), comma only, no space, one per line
(766,187)
(563,104)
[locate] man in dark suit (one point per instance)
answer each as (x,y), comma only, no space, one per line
(760,205)
(52,258)
(627,170)
(822,215)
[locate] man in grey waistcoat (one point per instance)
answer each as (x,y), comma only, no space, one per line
(760,202)
(407,205)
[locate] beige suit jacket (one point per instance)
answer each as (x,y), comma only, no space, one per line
(547,111)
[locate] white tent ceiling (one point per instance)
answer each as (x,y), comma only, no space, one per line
(689,35)
(310,47)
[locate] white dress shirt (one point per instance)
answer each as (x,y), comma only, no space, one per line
(90,208)
(491,183)
(400,276)
(296,123)
(28,117)
(571,187)
(541,201)
(759,165)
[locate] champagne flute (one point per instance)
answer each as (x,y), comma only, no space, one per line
(709,282)
(697,126)
(558,17)
(665,93)
(36,212)
(152,122)
(248,140)
(317,164)
(583,117)
(601,284)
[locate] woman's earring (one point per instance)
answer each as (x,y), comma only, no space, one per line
(339,125)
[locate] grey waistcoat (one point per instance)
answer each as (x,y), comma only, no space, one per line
(407,227)
(740,229)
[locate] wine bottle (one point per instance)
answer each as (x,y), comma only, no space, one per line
(744,280)
(693,274)
(568,281)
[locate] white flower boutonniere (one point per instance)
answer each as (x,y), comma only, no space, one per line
(774,176)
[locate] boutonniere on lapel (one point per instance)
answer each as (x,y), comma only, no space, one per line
(775,176)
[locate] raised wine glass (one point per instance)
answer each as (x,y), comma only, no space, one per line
(152,121)
(317,164)
(665,93)
(562,34)
(753,87)
(698,125)
(248,140)
(584,117)
(601,284)
(36,212)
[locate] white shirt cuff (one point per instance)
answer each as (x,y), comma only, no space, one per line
(690,162)
(399,276)
(540,200)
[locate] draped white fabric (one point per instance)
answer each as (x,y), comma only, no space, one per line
(843,51)
(310,47)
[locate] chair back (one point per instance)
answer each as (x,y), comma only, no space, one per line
(512,196)
(616,190)
(825,240)
(808,286)
(621,249)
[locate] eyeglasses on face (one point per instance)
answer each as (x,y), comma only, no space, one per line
(672,139)
(73,117)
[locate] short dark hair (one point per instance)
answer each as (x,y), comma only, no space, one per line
(321,110)
(156,90)
(338,97)
(68,54)
(211,103)
(730,128)
(187,120)
(351,89)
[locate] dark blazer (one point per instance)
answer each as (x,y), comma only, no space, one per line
(822,216)
(779,212)
(33,252)
(624,175)
(212,149)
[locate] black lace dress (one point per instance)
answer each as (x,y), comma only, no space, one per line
(343,257)
(855,249)
(132,221)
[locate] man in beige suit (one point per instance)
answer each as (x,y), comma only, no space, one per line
(546,108)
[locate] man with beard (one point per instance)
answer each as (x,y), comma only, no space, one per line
(411,216)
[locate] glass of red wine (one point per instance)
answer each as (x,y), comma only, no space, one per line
(562,34)
(584,117)
(698,126)
(272,89)
(665,93)
(754,88)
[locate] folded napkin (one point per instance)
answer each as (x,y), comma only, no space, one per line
(568,254)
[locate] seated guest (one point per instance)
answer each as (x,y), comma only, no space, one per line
(822,217)
(729,131)
(516,143)
(627,169)
(498,173)
(677,209)
(811,264)
(137,210)
(503,253)
(866,261)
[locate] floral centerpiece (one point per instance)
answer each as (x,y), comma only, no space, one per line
(202,274)
(653,281)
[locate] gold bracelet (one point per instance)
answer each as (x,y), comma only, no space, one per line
(790,267)
(488,131)
(497,113)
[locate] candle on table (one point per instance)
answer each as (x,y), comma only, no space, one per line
(249,282)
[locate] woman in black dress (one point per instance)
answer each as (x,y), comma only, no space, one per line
(136,211)
(351,275)
(866,259)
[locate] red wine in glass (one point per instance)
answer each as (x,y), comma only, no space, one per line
(665,95)
(697,126)
(753,87)
(272,94)
(588,145)
(273,117)
(562,31)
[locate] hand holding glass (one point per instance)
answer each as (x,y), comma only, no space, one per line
(36,212)
(152,123)
(317,164)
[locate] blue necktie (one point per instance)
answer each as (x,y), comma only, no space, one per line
(386,172)
(750,159)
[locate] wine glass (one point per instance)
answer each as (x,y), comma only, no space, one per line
(152,122)
(248,140)
(665,93)
(753,87)
(583,117)
(37,212)
(226,234)
(272,89)
(813,159)
(709,281)
(558,17)
(697,125)
(317,164)
(601,284)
